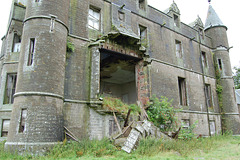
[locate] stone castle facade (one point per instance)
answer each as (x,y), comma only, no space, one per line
(121,48)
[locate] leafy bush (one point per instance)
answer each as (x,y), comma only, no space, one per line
(162,113)
(187,133)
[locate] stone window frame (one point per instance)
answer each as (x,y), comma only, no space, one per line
(178,48)
(215,128)
(182,88)
(10,97)
(220,64)
(208,94)
(176,20)
(204,59)
(143,38)
(31,52)
(94,18)
(16,43)
(1,126)
(22,122)
(184,124)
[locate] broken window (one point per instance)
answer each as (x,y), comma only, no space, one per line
(94,18)
(178,48)
(176,20)
(185,123)
(112,127)
(31,51)
(212,127)
(10,88)
(220,64)
(121,16)
(142,4)
(208,95)
(5,127)
(182,91)
(204,59)
(16,43)
(23,117)
(143,35)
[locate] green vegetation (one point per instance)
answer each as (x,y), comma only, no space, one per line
(70,46)
(116,105)
(162,113)
(236,77)
(218,147)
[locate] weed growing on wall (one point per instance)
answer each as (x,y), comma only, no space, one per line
(116,105)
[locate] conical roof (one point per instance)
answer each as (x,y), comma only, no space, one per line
(212,19)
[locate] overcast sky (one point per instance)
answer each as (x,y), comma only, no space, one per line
(189,10)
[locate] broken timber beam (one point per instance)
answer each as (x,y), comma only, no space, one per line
(116,121)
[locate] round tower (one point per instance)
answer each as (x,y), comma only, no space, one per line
(37,118)
(218,33)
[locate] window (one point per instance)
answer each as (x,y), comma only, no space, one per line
(112,127)
(10,88)
(121,16)
(5,127)
(204,59)
(94,19)
(52,25)
(220,64)
(212,127)
(37,0)
(208,94)
(178,48)
(23,117)
(31,51)
(143,34)
(142,5)
(185,123)
(182,91)
(176,20)
(16,43)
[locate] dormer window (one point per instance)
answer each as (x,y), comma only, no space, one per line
(176,20)
(142,4)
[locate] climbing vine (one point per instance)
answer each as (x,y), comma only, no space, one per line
(219,89)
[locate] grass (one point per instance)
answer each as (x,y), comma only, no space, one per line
(218,147)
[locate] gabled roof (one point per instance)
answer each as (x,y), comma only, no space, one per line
(237,91)
(173,8)
(212,19)
(197,22)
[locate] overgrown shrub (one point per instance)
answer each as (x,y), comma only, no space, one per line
(162,113)
(187,133)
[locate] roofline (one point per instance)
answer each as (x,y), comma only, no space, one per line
(214,26)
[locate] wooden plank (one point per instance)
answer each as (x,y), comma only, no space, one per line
(115,118)
(70,132)
(126,121)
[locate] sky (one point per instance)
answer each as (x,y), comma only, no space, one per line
(189,10)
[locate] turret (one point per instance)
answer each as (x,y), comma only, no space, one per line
(37,118)
(228,107)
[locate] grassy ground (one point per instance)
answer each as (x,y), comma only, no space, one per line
(218,147)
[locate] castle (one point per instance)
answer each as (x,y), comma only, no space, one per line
(119,48)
